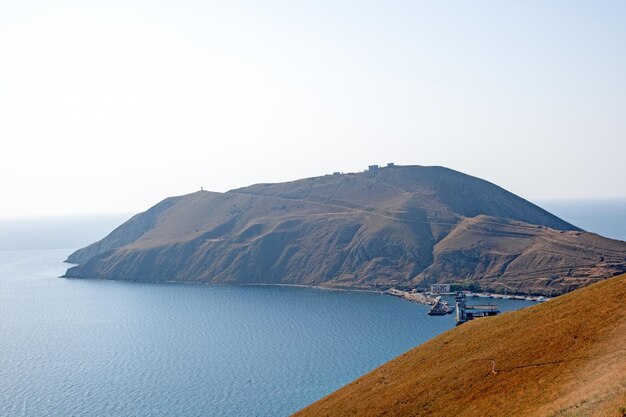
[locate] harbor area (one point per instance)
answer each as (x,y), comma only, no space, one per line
(430,297)
(464,306)
(413,296)
(465,313)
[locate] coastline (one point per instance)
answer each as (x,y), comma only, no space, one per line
(315,287)
(428,298)
(424,298)
(414,297)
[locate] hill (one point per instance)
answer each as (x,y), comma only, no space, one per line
(563,358)
(396,226)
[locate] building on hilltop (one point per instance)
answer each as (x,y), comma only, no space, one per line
(390,165)
(372,168)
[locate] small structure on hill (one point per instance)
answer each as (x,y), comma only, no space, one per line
(390,165)
(372,168)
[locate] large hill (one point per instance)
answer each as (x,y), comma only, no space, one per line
(563,358)
(395,226)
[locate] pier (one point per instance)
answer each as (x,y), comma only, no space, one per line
(466,313)
(415,297)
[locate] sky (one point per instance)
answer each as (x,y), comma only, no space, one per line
(111,106)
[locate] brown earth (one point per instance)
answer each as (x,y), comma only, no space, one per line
(565,358)
(395,227)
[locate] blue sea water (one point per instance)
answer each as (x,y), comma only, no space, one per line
(606,217)
(108,348)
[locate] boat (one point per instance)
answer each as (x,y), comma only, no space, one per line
(440,308)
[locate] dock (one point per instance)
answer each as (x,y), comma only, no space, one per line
(466,313)
(414,297)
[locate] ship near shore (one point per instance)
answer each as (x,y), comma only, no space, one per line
(440,308)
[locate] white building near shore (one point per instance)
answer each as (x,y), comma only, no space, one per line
(440,288)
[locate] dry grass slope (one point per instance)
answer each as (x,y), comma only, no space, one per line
(566,357)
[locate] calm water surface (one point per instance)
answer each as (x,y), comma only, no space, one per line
(607,217)
(107,348)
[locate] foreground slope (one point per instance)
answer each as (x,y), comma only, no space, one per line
(400,226)
(566,357)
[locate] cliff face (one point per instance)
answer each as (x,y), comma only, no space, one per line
(562,358)
(400,226)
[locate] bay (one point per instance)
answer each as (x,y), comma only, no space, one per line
(110,348)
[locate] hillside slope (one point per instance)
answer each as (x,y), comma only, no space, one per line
(400,226)
(566,357)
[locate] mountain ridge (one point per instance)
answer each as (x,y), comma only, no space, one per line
(397,226)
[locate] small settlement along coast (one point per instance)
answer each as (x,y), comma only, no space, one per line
(464,312)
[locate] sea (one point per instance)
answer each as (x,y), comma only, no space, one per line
(71,347)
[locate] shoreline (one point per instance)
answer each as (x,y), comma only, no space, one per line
(535,298)
(414,297)
(423,298)
(227,284)
(427,298)
(315,287)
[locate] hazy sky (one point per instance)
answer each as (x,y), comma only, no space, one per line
(111,106)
